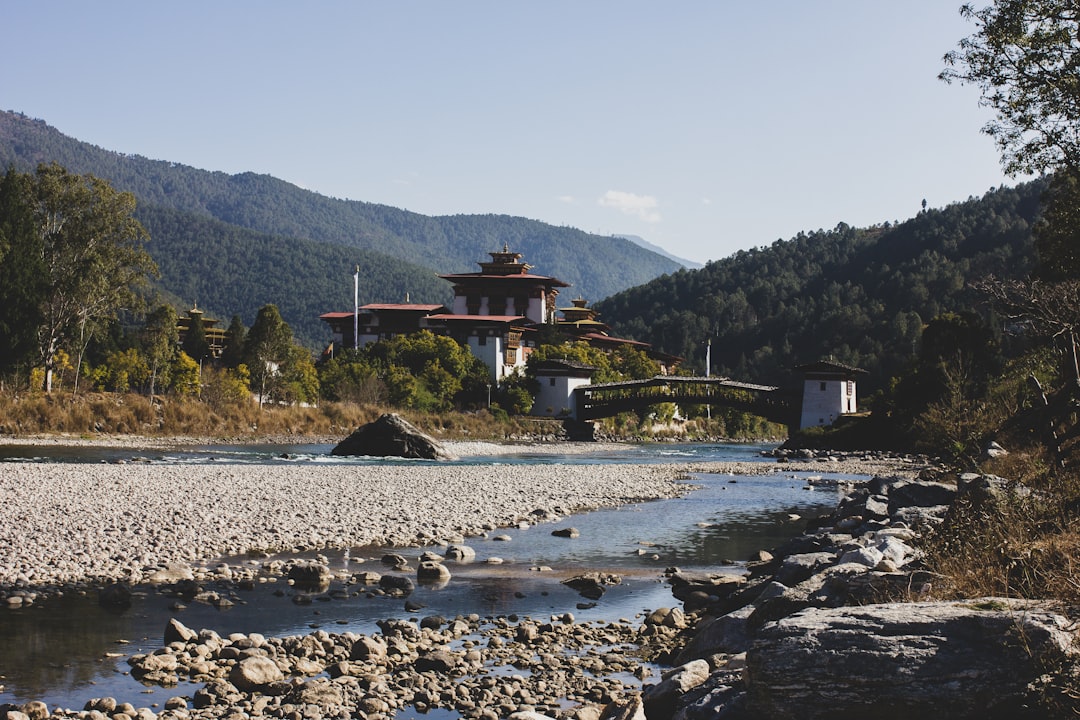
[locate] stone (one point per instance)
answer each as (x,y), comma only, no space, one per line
(661,699)
(920,493)
(310,576)
(974,659)
(391,436)
(439,660)
(568,532)
(592,585)
(460,553)
(368,649)
(796,568)
(728,634)
(35,710)
(253,673)
(396,584)
(631,708)
(176,631)
(432,572)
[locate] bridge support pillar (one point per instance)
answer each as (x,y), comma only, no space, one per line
(580,430)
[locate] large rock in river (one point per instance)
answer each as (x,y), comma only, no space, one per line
(975,659)
(391,435)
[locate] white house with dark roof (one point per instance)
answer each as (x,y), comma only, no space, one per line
(828,392)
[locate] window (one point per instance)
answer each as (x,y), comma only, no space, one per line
(481,340)
(823,386)
(551,382)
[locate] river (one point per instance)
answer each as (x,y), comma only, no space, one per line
(67,650)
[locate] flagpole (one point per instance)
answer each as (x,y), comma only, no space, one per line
(356,309)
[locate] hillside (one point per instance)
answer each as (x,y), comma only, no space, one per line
(596,266)
(231,270)
(860,295)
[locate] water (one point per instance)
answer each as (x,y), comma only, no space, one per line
(67,650)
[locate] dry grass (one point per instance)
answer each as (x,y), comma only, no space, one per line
(1025,543)
(130,414)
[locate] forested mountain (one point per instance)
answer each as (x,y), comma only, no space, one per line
(594,265)
(232,270)
(859,295)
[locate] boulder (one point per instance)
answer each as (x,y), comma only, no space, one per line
(254,672)
(310,576)
(974,659)
(592,585)
(460,553)
(391,435)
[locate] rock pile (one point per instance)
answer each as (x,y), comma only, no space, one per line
(805,634)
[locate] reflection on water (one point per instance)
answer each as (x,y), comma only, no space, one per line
(68,650)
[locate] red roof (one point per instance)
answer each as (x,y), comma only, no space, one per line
(613,340)
(480,318)
(481,276)
(402,306)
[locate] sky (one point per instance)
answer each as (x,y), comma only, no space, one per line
(703,126)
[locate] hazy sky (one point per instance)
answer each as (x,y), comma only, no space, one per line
(704,127)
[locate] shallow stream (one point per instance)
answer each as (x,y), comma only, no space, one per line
(67,650)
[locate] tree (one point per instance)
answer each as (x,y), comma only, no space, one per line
(22,273)
(159,337)
(233,353)
(1024,58)
(92,257)
(195,343)
(267,346)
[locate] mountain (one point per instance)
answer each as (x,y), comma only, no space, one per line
(642,242)
(861,296)
(595,265)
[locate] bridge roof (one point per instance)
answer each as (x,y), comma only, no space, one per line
(684,380)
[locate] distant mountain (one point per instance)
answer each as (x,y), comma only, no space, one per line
(859,295)
(326,231)
(642,242)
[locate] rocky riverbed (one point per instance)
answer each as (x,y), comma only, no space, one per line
(85,526)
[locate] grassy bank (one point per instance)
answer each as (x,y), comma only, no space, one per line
(132,414)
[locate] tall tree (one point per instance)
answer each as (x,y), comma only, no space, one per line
(1024,57)
(233,353)
(92,253)
(195,343)
(267,346)
(159,341)
(22,274)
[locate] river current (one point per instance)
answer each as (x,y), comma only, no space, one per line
(67,650)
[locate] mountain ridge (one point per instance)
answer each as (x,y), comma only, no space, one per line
(595,265)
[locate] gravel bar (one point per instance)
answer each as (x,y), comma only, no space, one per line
(69,523)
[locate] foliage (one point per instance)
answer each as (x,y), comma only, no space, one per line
(421,371)
(22,273)
(77,240)
(266,348)
(195,342)
(1023,57)
(159,339)
(226,387)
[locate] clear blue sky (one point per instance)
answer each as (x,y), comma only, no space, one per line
(702,126)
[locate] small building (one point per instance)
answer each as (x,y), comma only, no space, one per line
(828,392)
(558,379)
